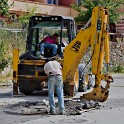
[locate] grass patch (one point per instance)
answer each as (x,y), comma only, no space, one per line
(117,69)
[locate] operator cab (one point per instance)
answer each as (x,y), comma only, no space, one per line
(42,26)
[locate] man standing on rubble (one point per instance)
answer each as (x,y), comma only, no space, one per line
(53,69)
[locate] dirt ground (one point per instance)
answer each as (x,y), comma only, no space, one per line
(34,108)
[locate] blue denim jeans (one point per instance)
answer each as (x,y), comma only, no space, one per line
(48,45)
(57,83)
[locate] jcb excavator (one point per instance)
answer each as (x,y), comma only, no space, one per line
(28,72)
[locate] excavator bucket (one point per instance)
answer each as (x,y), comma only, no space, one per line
(99,93)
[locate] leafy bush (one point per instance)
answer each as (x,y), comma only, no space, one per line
(117,68)
(84,15)
(8,40)
(3,59)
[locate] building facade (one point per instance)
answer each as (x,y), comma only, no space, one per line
(57,7)
(44,7)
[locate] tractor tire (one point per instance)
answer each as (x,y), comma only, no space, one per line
(39,85)
(26,86)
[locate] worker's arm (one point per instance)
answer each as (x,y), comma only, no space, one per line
(56,41)
(42,40)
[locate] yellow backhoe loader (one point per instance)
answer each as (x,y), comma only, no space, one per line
(28,73)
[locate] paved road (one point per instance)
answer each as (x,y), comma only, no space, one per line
(110,112)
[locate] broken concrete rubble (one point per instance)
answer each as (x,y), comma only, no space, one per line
(72,107)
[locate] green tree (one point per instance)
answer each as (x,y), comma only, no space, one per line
(4,7)
(10,39)
(3,60)
(24,18)
(84,15)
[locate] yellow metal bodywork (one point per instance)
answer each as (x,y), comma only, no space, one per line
(15,71)
(34,77)
(96,36)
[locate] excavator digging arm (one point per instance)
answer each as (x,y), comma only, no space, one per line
(97,37)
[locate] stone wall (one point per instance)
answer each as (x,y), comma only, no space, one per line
(116,55)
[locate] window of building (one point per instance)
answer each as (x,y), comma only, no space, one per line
(52,2)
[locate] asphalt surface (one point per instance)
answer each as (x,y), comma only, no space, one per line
(110,111)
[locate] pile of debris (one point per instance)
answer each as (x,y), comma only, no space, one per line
(76,107)
(72,107)
(27,108)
